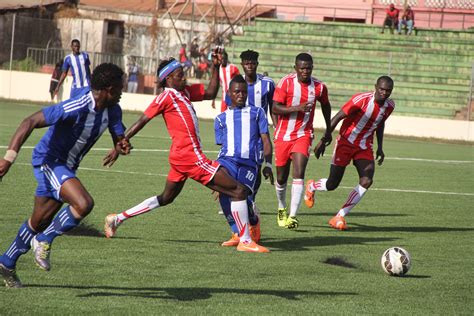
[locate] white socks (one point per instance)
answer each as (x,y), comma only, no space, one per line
(354,197)
(297,189)
(143,207)
(281,194)
(241,217)
(319,185)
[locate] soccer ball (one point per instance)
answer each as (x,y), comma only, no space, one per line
(396,261)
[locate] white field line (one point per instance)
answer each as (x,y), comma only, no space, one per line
(164,175)
(216,151)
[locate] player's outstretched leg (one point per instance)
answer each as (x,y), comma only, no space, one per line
(311,188)
(338,221)
(63,222)
(19,246)
(113,221)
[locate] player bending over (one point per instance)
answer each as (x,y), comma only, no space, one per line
(186,157)
(75,126)
(363,115)
(239,130)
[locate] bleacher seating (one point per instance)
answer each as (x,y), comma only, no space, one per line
(432,70)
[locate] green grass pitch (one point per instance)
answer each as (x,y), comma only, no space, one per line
(169,261)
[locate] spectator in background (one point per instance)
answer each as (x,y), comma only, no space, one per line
(184,60)
(391,19)
(408,19)
(202,68)
(55,78)
(132,73)
(227,71)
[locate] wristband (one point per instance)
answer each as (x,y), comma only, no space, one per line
(268,164)
(10,155)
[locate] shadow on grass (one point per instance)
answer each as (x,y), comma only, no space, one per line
(331,214)
(416,229)
(305,243)
(185,293)
(88,230)
(411,276)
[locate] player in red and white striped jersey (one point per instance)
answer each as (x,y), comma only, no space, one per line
(295,103)
(186,158)
(226,73)
(363,116)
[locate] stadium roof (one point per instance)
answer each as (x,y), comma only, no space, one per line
(26,4)
(180,7)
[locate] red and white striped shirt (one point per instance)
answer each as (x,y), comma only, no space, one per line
(181,122)
(225,76)
(364,116)
(291,92)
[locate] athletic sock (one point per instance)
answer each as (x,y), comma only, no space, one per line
(224,201)
(354,197)
(63,222)
(241,217)
(144,207)
(253,217)
(297,189)
(319,185)
(19,246)
(281,194)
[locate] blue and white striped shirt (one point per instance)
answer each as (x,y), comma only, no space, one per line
(239,131)
(75,126)
(260,93)
(80,69)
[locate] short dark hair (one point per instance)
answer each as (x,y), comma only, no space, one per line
(75,41)
(249,55)
(106,75)
(304,57)
(386,79)
(162,65)
(224,53)
(237,79)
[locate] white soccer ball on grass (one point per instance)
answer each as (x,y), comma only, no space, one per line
(396,261)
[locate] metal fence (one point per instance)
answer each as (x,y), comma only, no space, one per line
(50,56)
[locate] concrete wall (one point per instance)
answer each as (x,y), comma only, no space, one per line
(34,87)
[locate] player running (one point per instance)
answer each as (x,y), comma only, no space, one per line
(186,157)
(241,130)
(75,126)
(363,115)
(259,94)
(79,64)
(295,102)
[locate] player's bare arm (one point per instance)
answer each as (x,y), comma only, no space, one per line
(379,133)
(321,146)
(213,88)
(60,82)
(22,133)
(326,110)
(267,152)
(113,154)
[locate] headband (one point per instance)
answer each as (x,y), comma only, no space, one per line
(172,66)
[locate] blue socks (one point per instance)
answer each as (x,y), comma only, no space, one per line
(63,222)
(19,246)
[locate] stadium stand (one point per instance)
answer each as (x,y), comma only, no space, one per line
(432,70)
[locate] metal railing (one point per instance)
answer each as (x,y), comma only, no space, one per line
(45,56)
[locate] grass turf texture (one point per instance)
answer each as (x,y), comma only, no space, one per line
(169,261)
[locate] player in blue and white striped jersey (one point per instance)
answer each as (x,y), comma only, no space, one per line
(239,130)
(79,64)
(74,127)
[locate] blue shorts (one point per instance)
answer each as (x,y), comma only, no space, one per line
(50,178)
(75,92)
(244,174)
